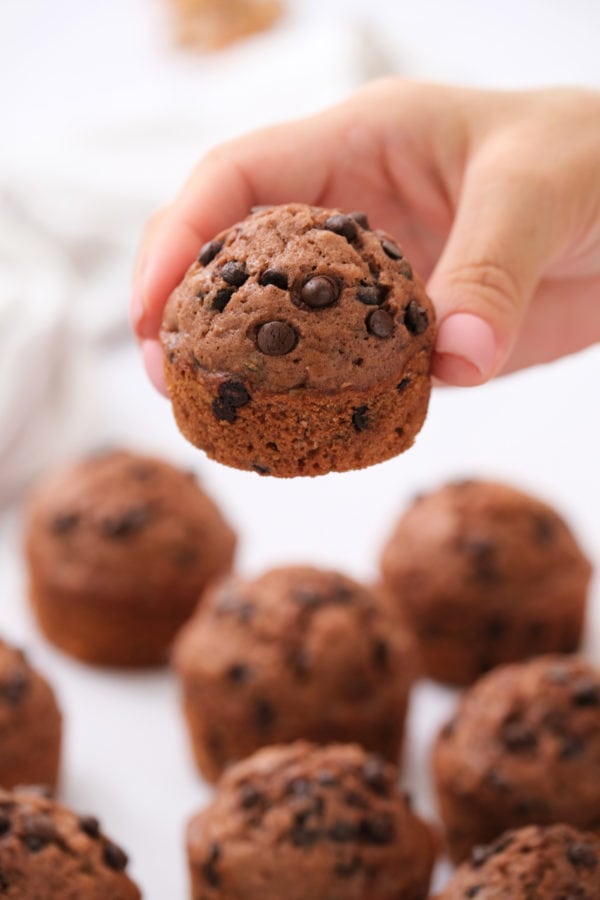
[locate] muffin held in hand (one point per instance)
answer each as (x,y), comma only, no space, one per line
(299,343)
(30,724)
(49,852)
(309,823)
(297,653)
(523,748)
(119,548)
(484,575)
(553,863)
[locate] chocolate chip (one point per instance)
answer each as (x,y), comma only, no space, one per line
(298,787)
(90,826)
(114,857)
(480,855)
(238,673)
(234,273)
(345,226)
(416,319)
(544,528)
(264,714)
(209,870)
(262,470)
(232,396)
(380,323)
(319,291)
(326,778)
(495,780)
(348,868)
(37,832)
(222,298)
(378,829)
(5,824)
(209,251)
(251,797)
(495,628)
(276,277)
(571,747)
(585,692)
(298,659)
(223,412)
(392,250)
(483,553)
(582,856)
(126,523)
(342,831)
(380,653)
(14,688)
(402,385)
(306,598)
(370,295)
(405,268)
(64,522)
(375,776)
(360,418)
(361,219)
(302,835)
(517,737)
(276,338)
(355,800)
(230,603)
(4,882)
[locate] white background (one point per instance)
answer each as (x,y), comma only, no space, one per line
(101,119)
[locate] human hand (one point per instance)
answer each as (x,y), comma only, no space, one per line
(494,197)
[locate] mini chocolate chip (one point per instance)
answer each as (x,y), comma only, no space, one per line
(64,522)
(114,857)
(209,251)
(250,797)
(5,824)
(209,870)
(375,776)
(355,800)
(370,295)
(516,737)
(303,836)
(571,747)
(13,690)
(544,528)
(276,338)
(234,273)
(238,673)
(342,225)
(360,418)
(361,219)
(262,470)
(184,556)
(319,291)
(473,890)
(494,779)
(275,277)
(380,323)
(342,831)
(346,869)
(380,653)
(585,692)
(298,659)
(495,628)
(90,826)
(392,250)
(222,298)
(38,831)
(416,319)
(402,385)
(378,829)
(483,553)
(264,714)
(126,523)
(326,778)
(298,787)
(306,598)
(582,856)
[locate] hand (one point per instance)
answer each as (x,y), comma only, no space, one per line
(494,196)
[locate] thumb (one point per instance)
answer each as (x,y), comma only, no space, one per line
(500,242)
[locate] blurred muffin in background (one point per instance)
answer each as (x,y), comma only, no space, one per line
(120,547)
(212,24)
(30,723)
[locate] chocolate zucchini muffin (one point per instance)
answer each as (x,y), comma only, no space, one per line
(299,343)
(119,548)
(553,863)
(523,748)
(297,653)
(484,575)
(30,723)
(309,823)
(47,852)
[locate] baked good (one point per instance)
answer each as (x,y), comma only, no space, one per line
(47,852)
(485,574)
(119,548)
(309,823)
(299,343)
(30,723)
(296,653)
(212,24)
(523,748)
(533,863)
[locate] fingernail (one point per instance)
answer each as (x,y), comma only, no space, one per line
(466,337)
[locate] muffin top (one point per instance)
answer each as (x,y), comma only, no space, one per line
(124,523)
(46,850)
(299,297)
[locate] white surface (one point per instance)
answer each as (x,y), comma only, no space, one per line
(101,121)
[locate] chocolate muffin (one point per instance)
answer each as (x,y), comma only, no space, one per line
(47,852)
(523,748)
(297,653)
(119,548)
(30,723)
(484,575)
(553,863)
(299,343)
(309,823)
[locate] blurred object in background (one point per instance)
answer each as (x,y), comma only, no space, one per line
(211,24)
